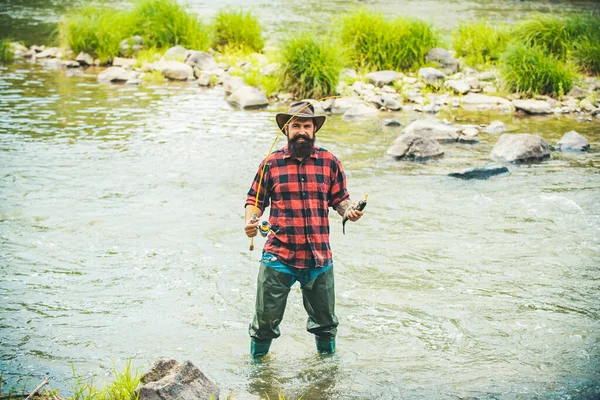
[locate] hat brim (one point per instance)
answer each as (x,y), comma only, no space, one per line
(283,118)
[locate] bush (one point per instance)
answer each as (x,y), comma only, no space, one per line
(236,29)
(165,23)
(6,50)
(375,43)
(479,42)
(587,55)
(311,65)
(585,33)
(95,30)
(532,70)
(547,32)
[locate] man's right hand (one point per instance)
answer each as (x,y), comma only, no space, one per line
(251,228)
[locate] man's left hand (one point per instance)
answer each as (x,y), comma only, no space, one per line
(353,214)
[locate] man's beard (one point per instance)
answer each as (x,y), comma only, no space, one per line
(301,149)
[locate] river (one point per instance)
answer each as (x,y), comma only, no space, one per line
(121,236)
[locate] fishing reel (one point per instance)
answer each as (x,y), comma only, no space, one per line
(264,228)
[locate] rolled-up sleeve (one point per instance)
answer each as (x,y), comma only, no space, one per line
(263,197)
(337,190)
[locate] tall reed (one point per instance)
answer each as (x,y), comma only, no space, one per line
(6,50)
(237,29)
(548,32)
(376,43)
(479,42)
(311,65)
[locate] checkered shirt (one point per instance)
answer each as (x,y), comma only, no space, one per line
(300,194)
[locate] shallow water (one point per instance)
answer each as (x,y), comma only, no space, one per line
(121,236)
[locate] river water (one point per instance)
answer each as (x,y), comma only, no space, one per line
(121,237)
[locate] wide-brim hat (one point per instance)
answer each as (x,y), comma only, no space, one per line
(300,109)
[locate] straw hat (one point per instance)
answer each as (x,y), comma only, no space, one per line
(301,109)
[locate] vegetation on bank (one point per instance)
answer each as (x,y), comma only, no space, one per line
(6,50)
(541,55)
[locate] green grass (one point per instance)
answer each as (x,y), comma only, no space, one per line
(6,50)
(269,84)
(532,70)
(165,23)
(585,33)
(311,65)
(376,43)
(121,388)
(95,30)
(237,29)
(587,55)
(548,32)
(479,42)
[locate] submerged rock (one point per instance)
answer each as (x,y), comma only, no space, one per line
(573,141)
(480,173)
(248,97)
(116,74)
(413,147)
(520,148)
(391,122)
(169,380)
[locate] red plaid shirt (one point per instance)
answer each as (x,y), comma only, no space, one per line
(300,194)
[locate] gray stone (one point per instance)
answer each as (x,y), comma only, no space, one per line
(69,64)
(360,112)
(248,97)
(375,99)
(587,105)
(481,173)
(414,147)
(487,76)
(573,141)
(460,87)
(84,59)
(124,62)
(520,148)
(442,56)
(174,70)
(175,53)
(343,104)
(473,82)
(271,69)
(533,106)
(74,72)
(201,60)
(490,89)
(391,102)
(316,105)
(131,45)
(204,80)
(432,108)
(432,76)
(391,122)
(382,78)
(468,134)
(434,129)
(576,92)
(135,81)
(233,83)
(495,128)
(116,74)
(51,52)
(409,80)
(480,102)
(169,380)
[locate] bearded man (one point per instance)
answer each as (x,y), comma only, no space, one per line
(300,183)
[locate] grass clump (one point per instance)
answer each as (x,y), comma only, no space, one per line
(585,33)
(6,50)
(94,30)
(547,32)
(121,388)
(237,29)
(311,65)
(375,43)
(533,71)
(479,42)
(165,23)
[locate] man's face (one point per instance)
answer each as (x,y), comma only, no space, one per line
(301,137)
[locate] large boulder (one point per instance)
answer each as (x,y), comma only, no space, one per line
(443,57)
(382,78)
(413,147)
(481,102)
(573,141)
(248,97)
(432,76)
(360,112)
(519,148)
(201,60)
(533,106)
(480,173)
(432,128)
(233,83)
(116,74)
(460,86)
(169,380)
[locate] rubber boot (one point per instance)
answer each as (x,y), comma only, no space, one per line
(259,349)
(325,346)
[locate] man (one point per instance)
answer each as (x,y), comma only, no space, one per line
(300,183)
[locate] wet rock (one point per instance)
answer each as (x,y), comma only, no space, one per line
(360,112)
(520,148)
(481,173)
(587,105)
(473,82)
(382,78)
(573,141)
(442,56)
(391,102)
(123,62)
(175,53)
(116,74)
(174,70)
(533,106)
(375,100)
(392,122)
(432,128)
(248,97)
(409,80)
(69,64)
(490,89)
(480,102)
(495,128)
(18,49)
(233,83)
(201,60)
(432,108)
(468,134)
(51,52)
(169,380)
(460,87)
(204,80)
(414,147)
(84,59)
(576,92)
(136,81)
(343,104)
(487,76)
(432,76)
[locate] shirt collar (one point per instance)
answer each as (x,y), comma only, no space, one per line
(314,154)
